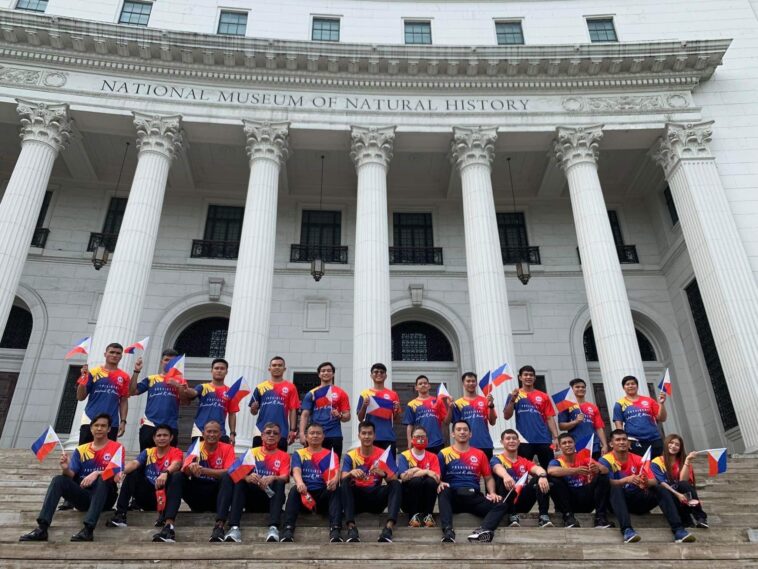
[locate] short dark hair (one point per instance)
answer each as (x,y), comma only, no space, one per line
(105,416)
(468,374)
(509,432)
(220,361)
(114,345)
(316,425)
(629,378)
(330,364)
(164,427)
(277,358)
(271,425)
(213,421)
(566,436)
(576,380)
(379,366)
(526,368)
(618,433)
(464,421)
(366,425)
(169,352)
(421,377)
(419,428)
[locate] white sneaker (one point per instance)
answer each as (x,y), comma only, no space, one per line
(233,534)
(273,534)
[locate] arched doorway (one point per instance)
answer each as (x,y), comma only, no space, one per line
(13,345)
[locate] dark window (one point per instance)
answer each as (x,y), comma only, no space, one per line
(647,352)
(304,381)
(7,389)
(224,223)
(67,407)
(321,228)
(419,342)
(17,330)
(711,356)
(671,206)
(540,383)
(418,32)
(514,243)
(602,30)
(135,13)
(32,5)
(232,23)
(43,210)
(509,33)
(114,216)
(325,29)
(615,227)
(205,338)
(412,230)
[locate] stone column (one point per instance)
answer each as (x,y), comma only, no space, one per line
(472,152)
(45,131)
(576,150)
(371,152)
(158,140)
(247,339)
(719,260)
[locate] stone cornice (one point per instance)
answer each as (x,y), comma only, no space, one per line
(116,48)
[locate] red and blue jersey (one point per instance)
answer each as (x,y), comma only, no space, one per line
(320,406)
(155,465)
(574,481)
(274,463)
(640,418)
(275,401)
(428,413)
(618,470)
(213,405)
(533,409)
(658,468)
(384,430)
(592,421)
(309,465)
(515,468)
(463,469)
(105,389)
(355,460)
(86,460)
(407,460)
(220,459)
(475,412)
(162,407)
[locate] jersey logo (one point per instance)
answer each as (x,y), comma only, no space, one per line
(277,463)
(165,463)
(218,461)
(645,403)
(480,403)
(285,390)
(386,396)
(474,460)
(107,457)
(538,399)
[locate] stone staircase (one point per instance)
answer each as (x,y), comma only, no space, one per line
(729,500)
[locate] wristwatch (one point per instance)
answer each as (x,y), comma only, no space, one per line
(491,405)
(233,433)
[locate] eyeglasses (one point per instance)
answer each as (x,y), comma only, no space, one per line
(269,432)
(378,372)
(419,438)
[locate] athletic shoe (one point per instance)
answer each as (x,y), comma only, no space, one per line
(601,522)
(514,521)
(334,535)
(415,521)
(217,535)
(84,534)
(37,534)
(66,505)
(352,535)
(166,535)
(631,536)
(233,535)
(288,535)
(702,523)
(429,521)
(544,521)
(481,535)
(160,521)
(683,536)
(569,521)
(117,521)
(385,536)
(448,535)
(273,534)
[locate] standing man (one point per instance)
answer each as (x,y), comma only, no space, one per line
(419,471)
(276,401)
(106,389)
(639,416)
(368,485)
(583,419)
(162,406)
(427,411)
(382,405)
(477,411)
(535,418)
(327,405)
(213,404)
(462,467)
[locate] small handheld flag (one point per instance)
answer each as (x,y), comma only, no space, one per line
(380,407)
(192,453)
(485,384)
(242,466)
(716,461)
(584,446)
(500,375)
(443,392)
(141,345)
(520,483)
(237,392)
(84,346)
(115,465)
(665,384)
(175,368)
(565,400)
(384,460)
(45,444)
(329,466)
(646,458)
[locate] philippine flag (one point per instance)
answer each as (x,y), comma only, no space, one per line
(141,345)
(520,483)
(82,347)
(584,446)
(443,392)
(665,384)
(716,461)
(115,465)
(565,400)
(329,466)
(322,397)
(192,453)
(243,466)
(485,384)
(500,375)
(386,462)
(45,444)
(237,392)
(646,458)
(175,368)
(380,407)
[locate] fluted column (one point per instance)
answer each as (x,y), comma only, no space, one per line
(472,152)
(719,261)
(158,140)
(45,130)
(247,339)
(577,150)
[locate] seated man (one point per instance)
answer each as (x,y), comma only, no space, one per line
(419,471)
(152,479)
(80,482)
(462,466)
(508,467)
(315,471)
(363,484)
(634,489)
(263,489)
(579,484)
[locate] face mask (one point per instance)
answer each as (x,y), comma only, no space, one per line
(419,445)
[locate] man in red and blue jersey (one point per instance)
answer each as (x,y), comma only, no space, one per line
(315,485)
(327,405)
(81,482)
(583,419)
(276,401)
(162,407)
(213,404)
(427,411)
(579,484)
(462,467)
(535,418)
(477,411)
(263,489)
(639,416)
(634,489)
(419,472)
(380,406)
(370,484)
(106,389)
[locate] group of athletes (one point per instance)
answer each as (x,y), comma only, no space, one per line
(369,478)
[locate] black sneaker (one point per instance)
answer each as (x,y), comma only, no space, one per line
(352,535)
(481,535)
(84,534)
(514,521)
(544,521)
(217,535)
(569,521)
(601,522)
(288,535)
(448,535)
(117,521)
(702,523)
(160,521)
(37,534)
(166,535)
(385,536)
(334,535)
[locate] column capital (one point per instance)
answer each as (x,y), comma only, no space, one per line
(44,122)
(573,145)
(681,142)
(371,144)
(267,140)
(473,146)
(159,133)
